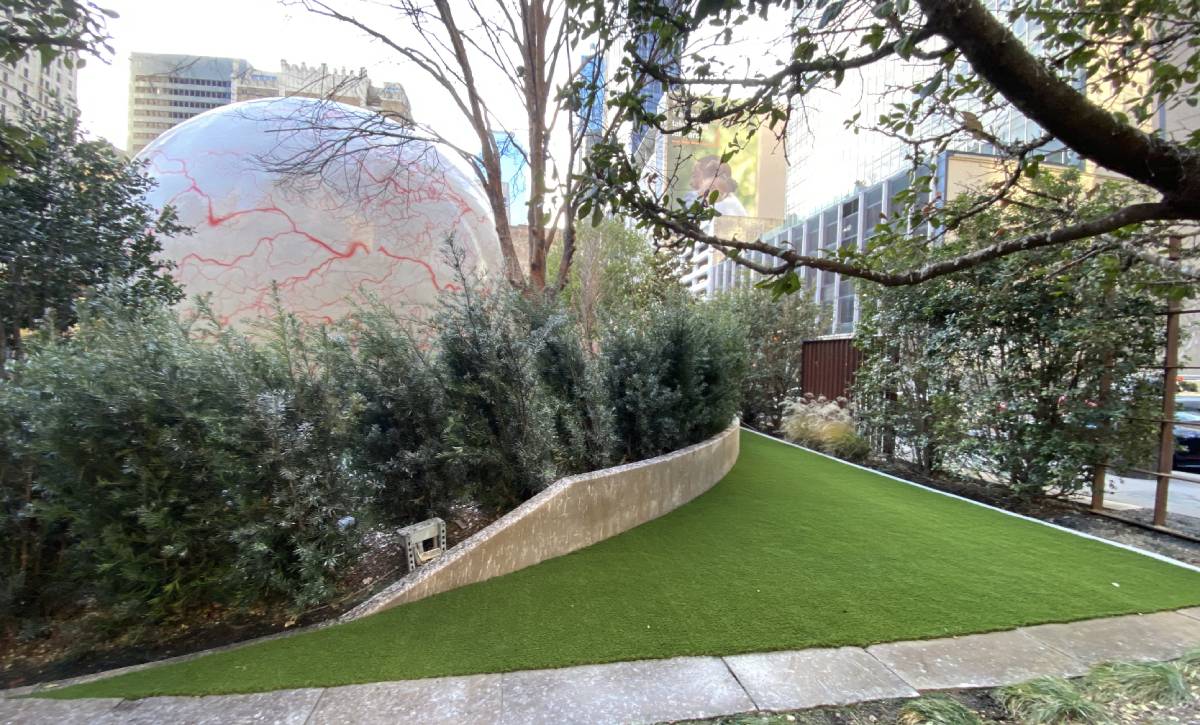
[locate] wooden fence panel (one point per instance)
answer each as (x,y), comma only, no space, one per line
(829,366)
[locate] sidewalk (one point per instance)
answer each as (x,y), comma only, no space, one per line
(652,691)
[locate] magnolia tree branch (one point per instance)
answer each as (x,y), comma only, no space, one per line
(1006,68)
(1000,58)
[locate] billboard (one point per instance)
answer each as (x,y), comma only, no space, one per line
(749,183)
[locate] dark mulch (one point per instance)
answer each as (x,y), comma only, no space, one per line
(877,711)
(77,643)
(70,648)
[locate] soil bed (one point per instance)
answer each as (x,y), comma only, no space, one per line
(73,644)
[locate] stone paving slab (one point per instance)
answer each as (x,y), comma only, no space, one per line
(1193,612)
(976,660)
(59,712)
(283,707)
(449,700)
(810,678)
(1161,636)
(648,691)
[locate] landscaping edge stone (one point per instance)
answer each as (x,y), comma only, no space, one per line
(570,514)
(701,465)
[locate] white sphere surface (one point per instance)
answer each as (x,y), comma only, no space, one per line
(326,203)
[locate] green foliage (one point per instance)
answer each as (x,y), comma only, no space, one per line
(674,375)
(775,330)
(158,471)
(1131,61)
(1161,682)
(998,369)
(395,381)
(937,710)
(570,377)
(1050,701)
(52,29)
(73,219)
(150,466)
(501,421)
(615,272)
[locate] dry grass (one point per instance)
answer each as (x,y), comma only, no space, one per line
(934,710)
(1051,701)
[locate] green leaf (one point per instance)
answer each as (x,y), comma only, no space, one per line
(831,12)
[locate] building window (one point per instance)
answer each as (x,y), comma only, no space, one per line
(872,210)
(811,239)
(829,241)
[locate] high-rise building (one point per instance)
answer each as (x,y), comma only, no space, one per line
(841,184)
(31,90)
(165,90)
(352,87)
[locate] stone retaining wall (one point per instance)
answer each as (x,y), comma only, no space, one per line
(572,513)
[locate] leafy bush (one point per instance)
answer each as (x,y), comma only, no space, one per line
(825,425)
(775,331)
(997,371)
(501,422)
(674,376)
(167,471)
(150,465)
(402,416)
(73,218)
(571,378)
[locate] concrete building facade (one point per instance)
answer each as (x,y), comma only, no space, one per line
(30,90)
(166,90)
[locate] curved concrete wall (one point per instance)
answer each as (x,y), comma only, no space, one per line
(572,513)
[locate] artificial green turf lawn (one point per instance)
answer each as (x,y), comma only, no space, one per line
(790,550)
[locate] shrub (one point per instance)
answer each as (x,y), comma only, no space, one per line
(775,330)
(169,471)
(674,374)
(997,371)
(303,515)
(825,425)
(571,378)
(403,417)
(150,465)
(500,421)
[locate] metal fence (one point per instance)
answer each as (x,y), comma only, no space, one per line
(828,366)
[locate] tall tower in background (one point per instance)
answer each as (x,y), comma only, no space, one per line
(166,90)
(30,90)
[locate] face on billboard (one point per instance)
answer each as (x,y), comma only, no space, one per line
(696,171)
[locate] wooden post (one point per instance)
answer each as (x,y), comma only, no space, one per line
(1166,443)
